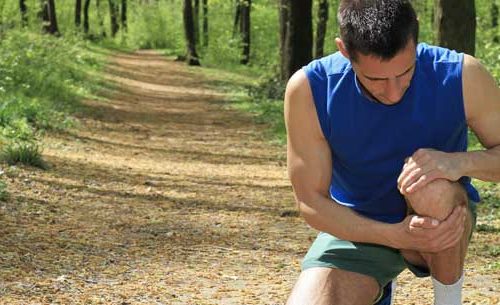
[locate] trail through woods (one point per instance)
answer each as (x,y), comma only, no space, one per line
(163,195)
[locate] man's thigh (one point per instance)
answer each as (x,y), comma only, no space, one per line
(334,271)
(377,261)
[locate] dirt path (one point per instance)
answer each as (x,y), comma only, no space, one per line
(163,196)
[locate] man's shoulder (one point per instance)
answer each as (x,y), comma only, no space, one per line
(329,65)
(432,54)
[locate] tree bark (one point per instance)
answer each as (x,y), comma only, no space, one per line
(283,19)
(78,13)
(86,16)
(494,20)
(49,17)
(205,23)
(246,7)
(237,15)
(124,16)
(100,18)
(192,56)
(299,40)
(321,28)
(24,13)
(456,25)
(113,14)
(196,21)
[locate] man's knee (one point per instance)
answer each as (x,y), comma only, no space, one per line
(437,199)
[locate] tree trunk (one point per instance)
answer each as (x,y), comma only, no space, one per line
(24,13)
(299,40)
(237,21)
(49,17)
(196,21)
(124,15)
(113,14)
(283,14)
(100,18)
(494,20)
(456,25)
(86,16)
(205,23)
(246,7)
(192,56)
(321,28)
(78,13)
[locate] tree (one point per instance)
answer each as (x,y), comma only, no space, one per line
(283,19)
(49,17)
(187,12)
(196,21)
(299,40)
(494,20)
(124,15)
(86,16)
(321,28)
(245,30)
(205,23)
(24,13)
(456,25)
(237,15)
(78,13)
(100,18)
(114,11)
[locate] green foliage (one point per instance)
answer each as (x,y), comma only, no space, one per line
(28,153)
(3,191)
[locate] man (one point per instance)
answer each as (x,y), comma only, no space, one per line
(377,139)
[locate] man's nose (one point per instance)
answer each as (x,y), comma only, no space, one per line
(394,89)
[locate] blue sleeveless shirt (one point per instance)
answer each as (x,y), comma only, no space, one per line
(369,141)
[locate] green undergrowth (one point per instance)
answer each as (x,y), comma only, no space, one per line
(42,81)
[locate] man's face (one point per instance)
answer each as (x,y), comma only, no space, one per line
(386,80)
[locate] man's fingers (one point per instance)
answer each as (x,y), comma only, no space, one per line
(424,222)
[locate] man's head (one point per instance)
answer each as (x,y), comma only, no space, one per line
(381,28)
(380,38)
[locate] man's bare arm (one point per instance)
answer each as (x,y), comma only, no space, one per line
(309,162)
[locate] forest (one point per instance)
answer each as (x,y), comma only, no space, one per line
(143,148)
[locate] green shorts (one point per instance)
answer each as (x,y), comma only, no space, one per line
(380,262)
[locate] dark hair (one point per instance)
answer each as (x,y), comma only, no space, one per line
(377,27)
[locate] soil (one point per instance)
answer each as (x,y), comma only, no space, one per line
(164,195)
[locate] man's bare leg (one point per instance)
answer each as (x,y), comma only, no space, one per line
(437,200)
(327,286)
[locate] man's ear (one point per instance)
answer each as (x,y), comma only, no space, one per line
(341,47)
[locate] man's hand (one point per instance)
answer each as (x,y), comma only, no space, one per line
(425,234)
(426,165)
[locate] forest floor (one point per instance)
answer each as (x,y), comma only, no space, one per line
(164,195)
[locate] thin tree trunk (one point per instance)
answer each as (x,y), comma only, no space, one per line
(321,28)
(49,17)
(124,16)
(456,25)
(237,15)
(299,38)
(192,56)
(205,23)
(246,7)
(86,16)
(78,13)
(494,20)
(24,13)
(101,18)
(283,14)
(113,14)
(196,21)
